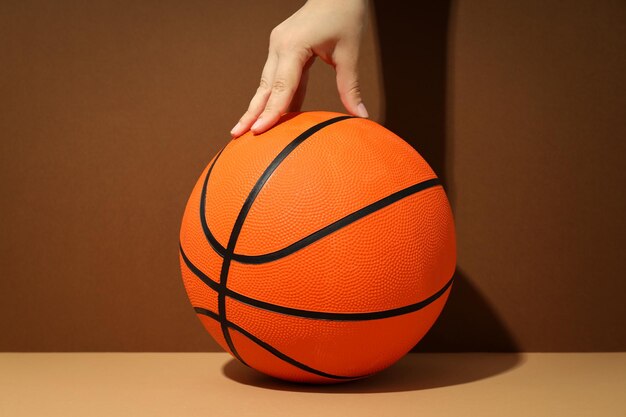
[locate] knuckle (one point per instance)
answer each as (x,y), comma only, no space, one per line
(280,86)
(354,89)
(289,45)
(269,110)
(275,34)
(298,52)
(264,84)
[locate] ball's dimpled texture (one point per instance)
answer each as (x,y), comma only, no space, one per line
(396,256)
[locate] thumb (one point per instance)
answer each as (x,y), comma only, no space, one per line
(348,85)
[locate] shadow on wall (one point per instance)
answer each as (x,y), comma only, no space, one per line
(467,324)
(413,47)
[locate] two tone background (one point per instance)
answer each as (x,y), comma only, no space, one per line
(109,110)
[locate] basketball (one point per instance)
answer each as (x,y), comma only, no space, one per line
(319,251)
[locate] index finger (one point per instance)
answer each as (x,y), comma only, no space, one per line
(259,100)
(283,88)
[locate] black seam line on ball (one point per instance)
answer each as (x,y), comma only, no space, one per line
(272,349)
(205,227)
(315,236)
(318,315)
(213,242)
(338,224)
(217,246)
(221,287)
(332,316)
(234,234)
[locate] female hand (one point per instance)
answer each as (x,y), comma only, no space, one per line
(330,29)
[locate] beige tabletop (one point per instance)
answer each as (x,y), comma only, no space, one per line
(213,384)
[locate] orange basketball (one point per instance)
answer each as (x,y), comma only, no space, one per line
(320,251)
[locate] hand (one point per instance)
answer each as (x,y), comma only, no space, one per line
(330,29)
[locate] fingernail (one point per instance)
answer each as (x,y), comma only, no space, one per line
(235,130)
(257,124)
(361,111)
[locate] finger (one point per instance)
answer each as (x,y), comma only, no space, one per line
(257,104)
(298,97)
(348,83)
(284,85)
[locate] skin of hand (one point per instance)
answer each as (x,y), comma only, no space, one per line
(329,29)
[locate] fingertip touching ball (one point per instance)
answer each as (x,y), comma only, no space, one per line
(320,251)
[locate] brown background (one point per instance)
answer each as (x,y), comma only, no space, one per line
(109,110)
